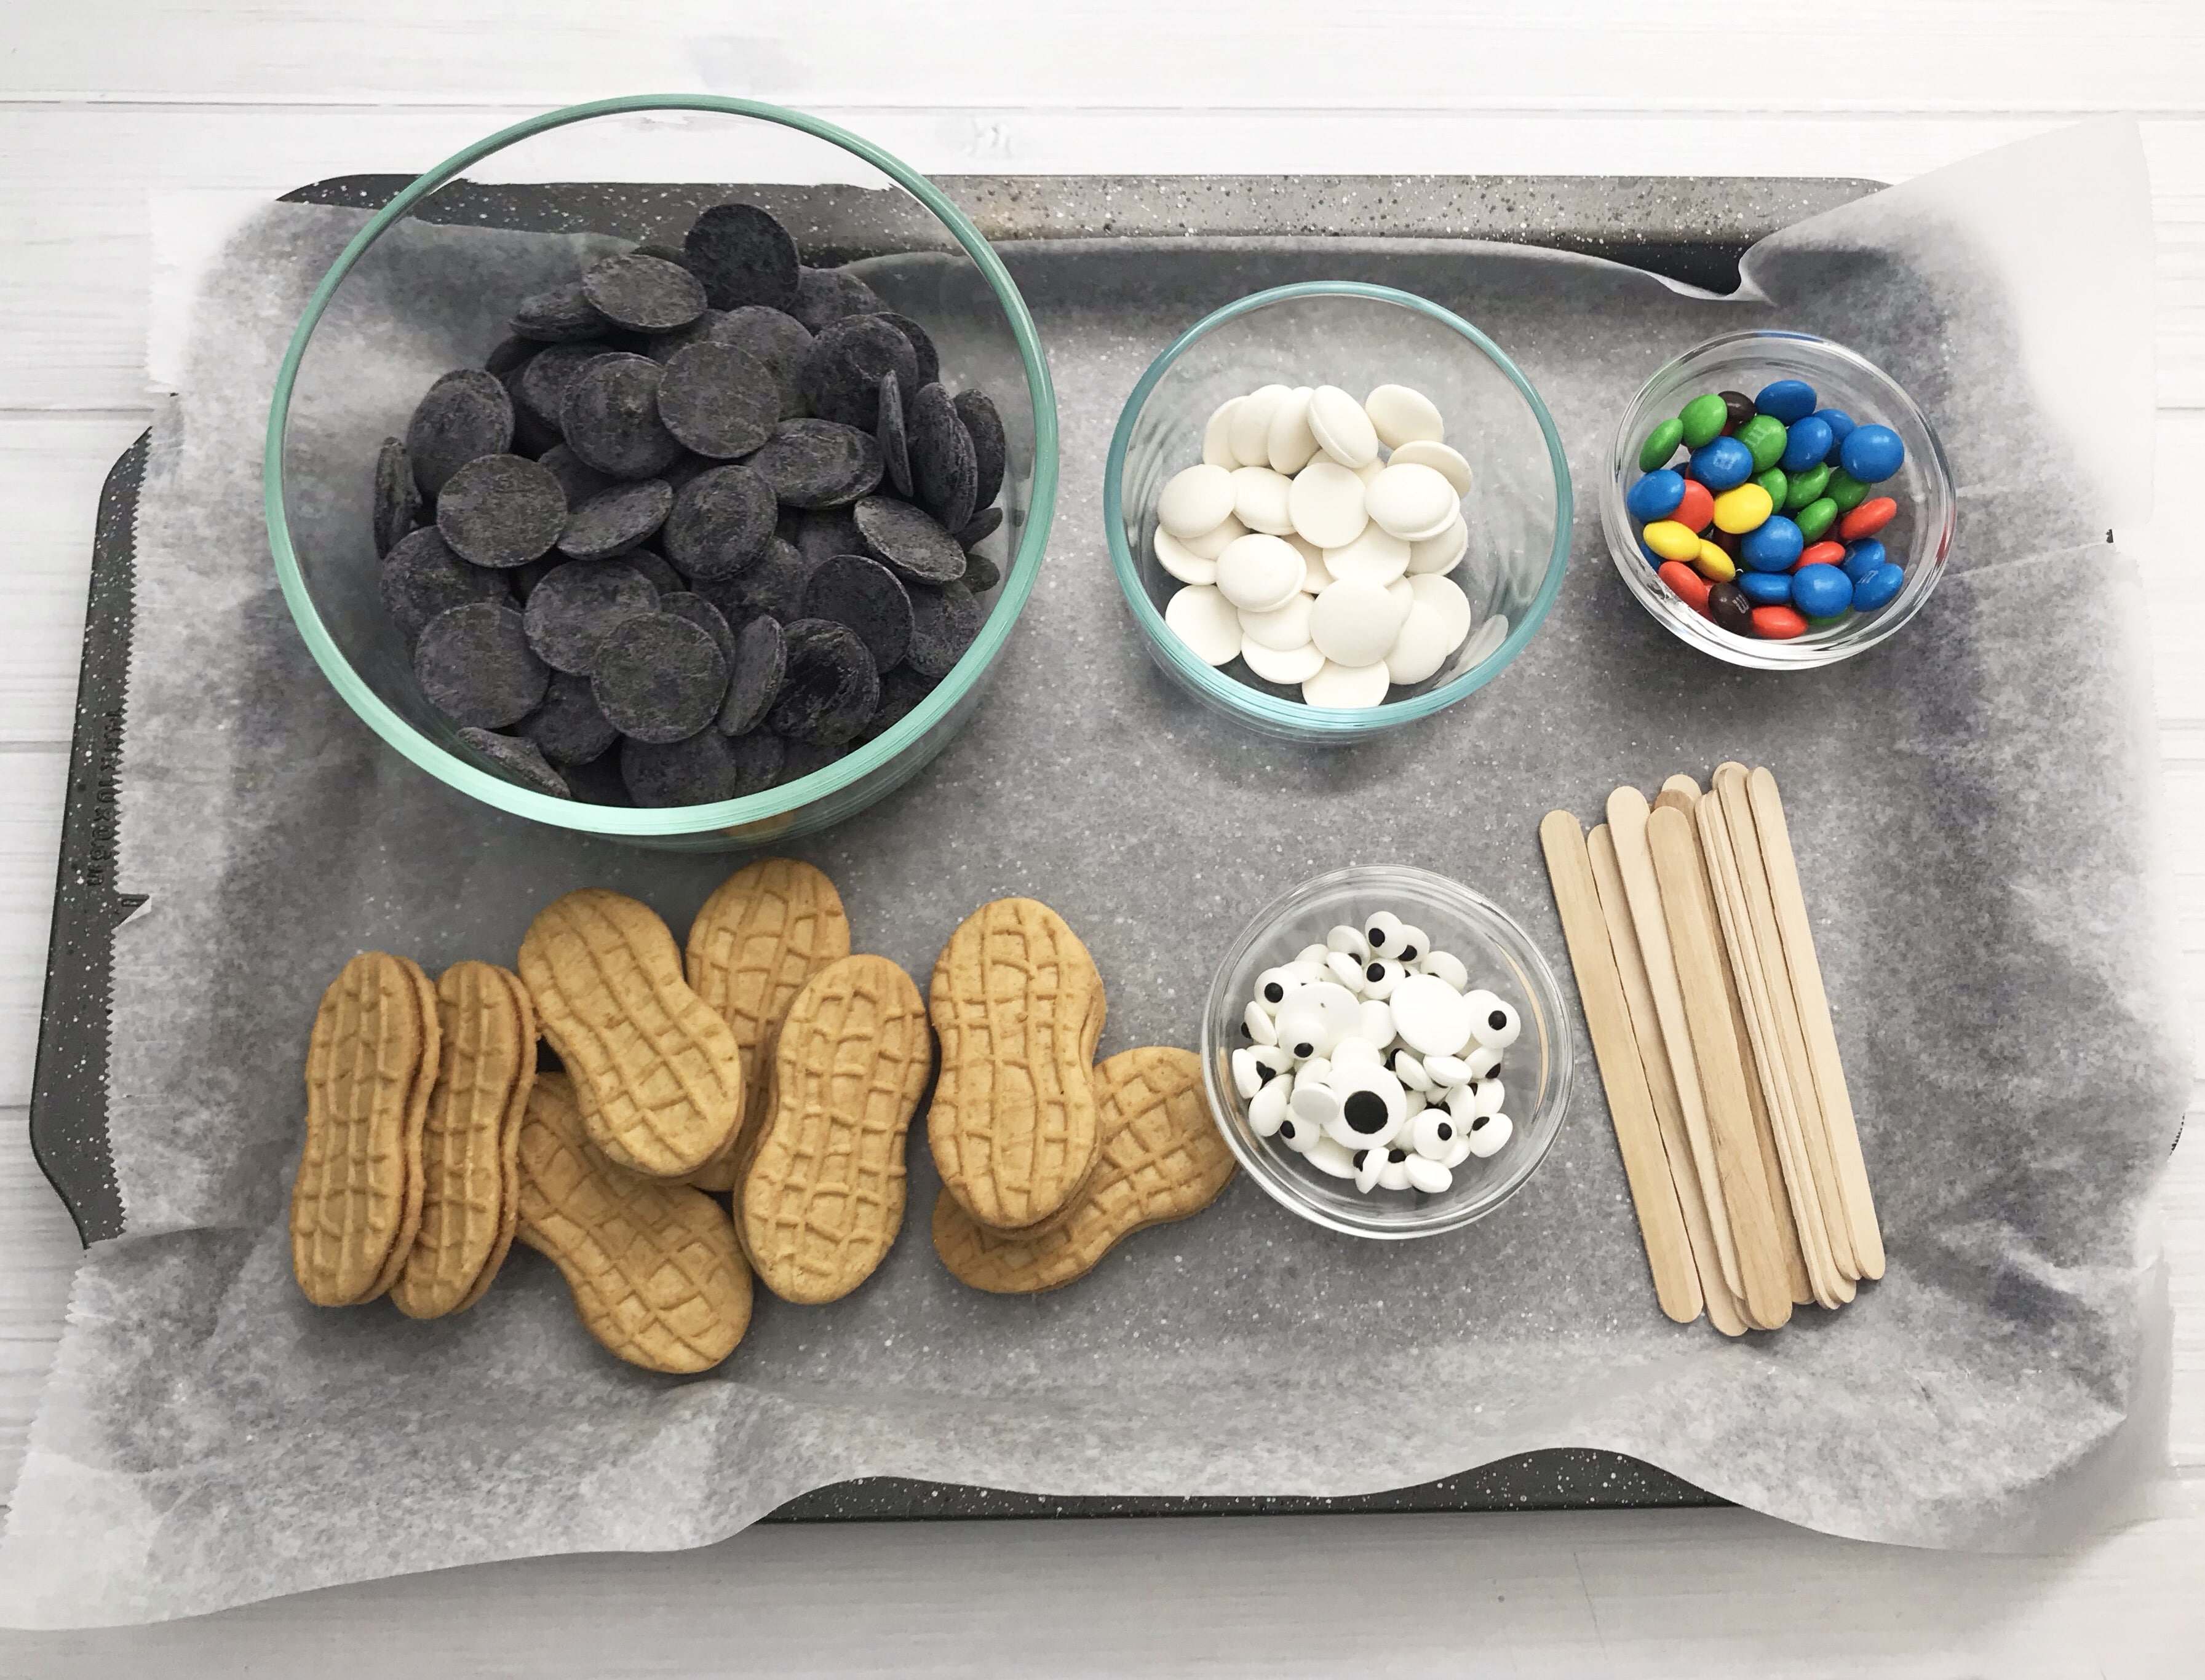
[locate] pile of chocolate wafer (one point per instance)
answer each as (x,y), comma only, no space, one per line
(1696,963)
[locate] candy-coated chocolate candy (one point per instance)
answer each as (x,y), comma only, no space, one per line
(1802,488)
(1661,444)
(1765,589)
(1863,557)
(1766,438)
(1820,591)
(1877,588)
(1730,608)
(1786,400)
(1816,517)
(1737,409)
(1655,496)
(1742,509)
(1671,540)
(1704,420)
(1713,564)
(1652,559)
(1872,454)
(1845,491)
(1772,546)
(1722,465)
(1688,587)
(1806,444)
(1821,554)
(1697,510)
(1841,427)
(1870,517)
(1778,624)
(1778,486)
(1727,540)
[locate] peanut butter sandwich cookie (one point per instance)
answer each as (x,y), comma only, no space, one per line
(768,927)
(1162,1158)
(824,1195)
(656,1274)
(656,1072)
(371,1061)
(1019,1006)
(470,1141)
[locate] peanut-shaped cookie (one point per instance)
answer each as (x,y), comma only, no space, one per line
(823,1198)
(1162,1158)
(371,1061)
(656,1274)
(657,1071)
(1018,1007)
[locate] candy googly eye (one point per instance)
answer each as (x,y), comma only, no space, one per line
(1448,1071)
(1457,1151)
(1350,942)
(1314,1071)
(1480,1060)
(1297,1134)
(1428,1176)
(1408,1071)
(1380,976)
(1413,1102)
(1493,1021)
(1346,970)
(1271,1061)
(1354,1049)
(1377,1022)
(1413,946)
(1433,1133)
(1273,985)
(1445,965)
(1313,953)
(1267,1109)
(1315,1017)
(1373,1107)
(1489,1135)
(1368,1164)
(1394,1174)
(1257,1026)
(1490,1095)
(1382,933)
(1318,1104)
(1247,1079)
(1327,1156)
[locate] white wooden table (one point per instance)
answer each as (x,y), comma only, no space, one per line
(105,102)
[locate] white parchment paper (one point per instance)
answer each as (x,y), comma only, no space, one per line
(1973,804)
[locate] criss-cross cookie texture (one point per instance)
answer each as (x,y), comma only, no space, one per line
(656,1274)
(768,927)
(657,1073)
(1162,1158)
(371,1060)
(824,1195)
(1017,1005)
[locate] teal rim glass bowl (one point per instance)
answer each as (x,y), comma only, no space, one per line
(395,310)
(1356,336)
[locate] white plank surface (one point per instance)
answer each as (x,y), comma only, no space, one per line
(103,103)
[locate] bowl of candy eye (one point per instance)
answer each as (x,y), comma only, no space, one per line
(1334,508)
(1386,1053)
(1777,501)
(693,516)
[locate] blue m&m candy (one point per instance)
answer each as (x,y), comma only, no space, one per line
(1767,589)
(1841,427)
(1773,545)
(1820,591)
(1656,496)
(1863,557)
(1806,446)
(1723,465)
(1786,400)
(1878,588)
(1872,454)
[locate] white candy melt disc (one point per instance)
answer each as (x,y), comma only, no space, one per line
(1444,596)
(1198,500)
(1402,596)
(1437,555)
(1399,416)
(1341,428)
(1211,543)
(1251,431)
(1259,573)
(1315,574)
(1431,1016)
(1376,557)
(1290,443)
(1326,504)
(1355,621)
(1421,648)
(1429,452)
(1217,437)
(1371,469)
(1295,665)
(1206,621)
(1284,628)
(1413,502)
(1348,687)
(1259,500)
(1181,561)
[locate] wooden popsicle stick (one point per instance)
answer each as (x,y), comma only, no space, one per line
(1791,1043)
(1783,1154)
(1696,946)
(1628,815)
(1679,793)
(1821,1036)
(1724,1311)
(1615,1047)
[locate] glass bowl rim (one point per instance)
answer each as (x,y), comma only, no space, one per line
(1298,717)
(1686,625)
(1540,986)
(631,821)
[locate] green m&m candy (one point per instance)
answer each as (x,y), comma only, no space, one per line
(1806,486)
(1845,491)
(1816,517)
(1766,437)
(1774,482)
(1704,418)
(1660,444)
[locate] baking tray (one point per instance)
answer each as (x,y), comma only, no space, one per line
(1691,229)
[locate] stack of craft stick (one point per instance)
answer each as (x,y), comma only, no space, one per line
(1697,967)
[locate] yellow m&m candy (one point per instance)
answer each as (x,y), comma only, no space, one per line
(1741,510)
(1714,565)
(1672,541)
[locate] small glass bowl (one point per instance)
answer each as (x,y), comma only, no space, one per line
(1356,336)
(1501,957)
(615,167)
(1919,536)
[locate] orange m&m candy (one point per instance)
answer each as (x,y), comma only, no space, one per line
(1690,587)
(1697,510)
(1821,554)
(1778,624)
(1867,520)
